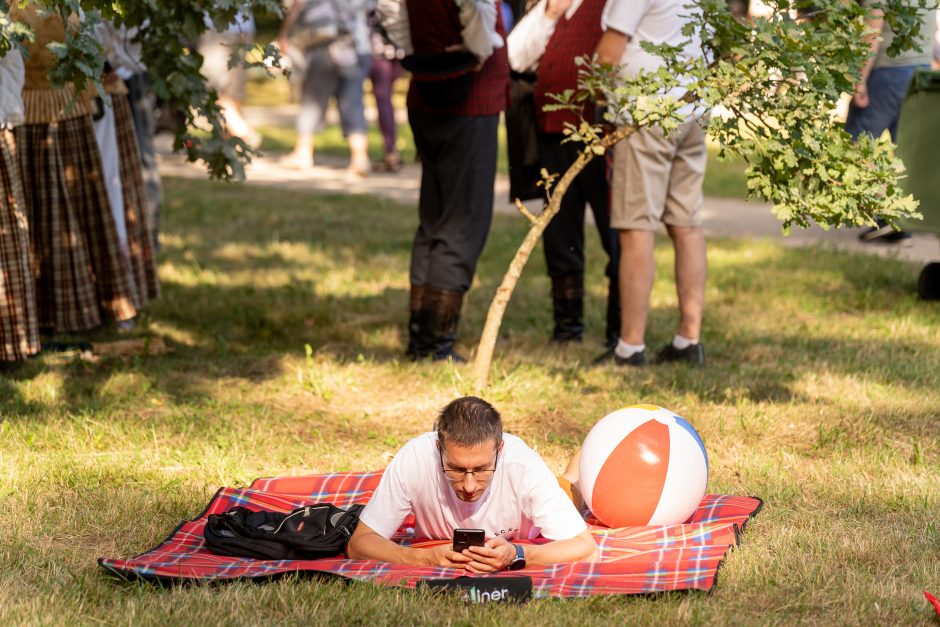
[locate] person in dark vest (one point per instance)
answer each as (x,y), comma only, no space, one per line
(458,89)
(546,42)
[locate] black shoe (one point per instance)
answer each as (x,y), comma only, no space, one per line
(562,336)
(883,232)
(694,354)
(637,360)
(450,355)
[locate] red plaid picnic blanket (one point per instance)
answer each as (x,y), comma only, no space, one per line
(633,560)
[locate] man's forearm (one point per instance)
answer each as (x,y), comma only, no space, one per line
(372,546)
(872,38)
(581,548)
(611,46)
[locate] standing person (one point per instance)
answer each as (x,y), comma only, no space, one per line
(143,104)
(879,94)
(334,68)
(216,47)
(546,41)
(459,87)
(386,68)
(82,276)
(656,179)
(467,473)
(19,328)
(123,56)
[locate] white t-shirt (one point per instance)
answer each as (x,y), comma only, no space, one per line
(522,501)
(655,21)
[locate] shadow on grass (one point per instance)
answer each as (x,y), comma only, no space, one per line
(253,274)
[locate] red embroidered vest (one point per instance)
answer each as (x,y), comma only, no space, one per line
(557,72)
(435,25)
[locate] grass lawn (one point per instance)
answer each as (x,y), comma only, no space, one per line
(821,397)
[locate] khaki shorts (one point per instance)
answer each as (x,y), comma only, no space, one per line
(658,179)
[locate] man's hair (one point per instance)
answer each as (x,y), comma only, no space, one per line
(468,421)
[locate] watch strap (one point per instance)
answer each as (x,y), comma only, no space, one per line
(519,561)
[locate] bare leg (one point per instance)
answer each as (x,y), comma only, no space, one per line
(691,272)
(636,282)
(236,124)
(359,154)
(302,155)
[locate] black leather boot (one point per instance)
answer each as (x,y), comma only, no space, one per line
(414,324)
(612,330)
(568,304)
(437,324)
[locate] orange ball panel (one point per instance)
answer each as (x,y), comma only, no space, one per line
(640,462)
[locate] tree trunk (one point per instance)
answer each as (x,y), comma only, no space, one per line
(483,359)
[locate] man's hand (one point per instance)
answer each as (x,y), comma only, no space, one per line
(445,555)
(860,99)
(495,556)
(554,9)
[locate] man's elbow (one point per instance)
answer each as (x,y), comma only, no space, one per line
(589,550)
(354,550)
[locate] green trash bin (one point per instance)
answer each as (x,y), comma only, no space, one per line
(918,143)
(918,139)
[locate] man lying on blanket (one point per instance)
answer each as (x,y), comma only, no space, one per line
(469,474)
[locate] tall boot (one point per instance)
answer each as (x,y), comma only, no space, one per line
(612,330)
(437,324)
(568,304)
(414,323)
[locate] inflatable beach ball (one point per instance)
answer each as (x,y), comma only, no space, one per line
(643,465)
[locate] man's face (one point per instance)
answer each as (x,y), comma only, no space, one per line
(468,468)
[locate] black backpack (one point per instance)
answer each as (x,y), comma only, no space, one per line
(311,532)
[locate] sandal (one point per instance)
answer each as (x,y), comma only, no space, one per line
(391,164)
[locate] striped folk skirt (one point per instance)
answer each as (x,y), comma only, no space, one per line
(19,328)
(82,275)
(140,247)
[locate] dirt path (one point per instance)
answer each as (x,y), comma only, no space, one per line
(724,217)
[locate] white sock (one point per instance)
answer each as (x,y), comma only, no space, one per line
(682,343)
(626,351)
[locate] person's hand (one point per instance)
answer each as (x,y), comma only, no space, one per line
(554,9)
(444,555)
(495,556)
(860,99)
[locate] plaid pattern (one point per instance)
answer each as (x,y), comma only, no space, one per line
(19,330)
(435,25)
(142,259)
(633,560)
(82,273)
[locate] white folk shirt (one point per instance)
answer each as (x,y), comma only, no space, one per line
(522,501)
(12,77)
(529,38)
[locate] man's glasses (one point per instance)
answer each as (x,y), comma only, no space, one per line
(458,475)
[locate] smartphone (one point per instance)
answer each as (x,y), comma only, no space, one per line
(464,538)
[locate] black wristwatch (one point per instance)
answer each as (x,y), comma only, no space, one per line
(518,562)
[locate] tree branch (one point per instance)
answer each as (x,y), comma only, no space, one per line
(483,358)
(525,211)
